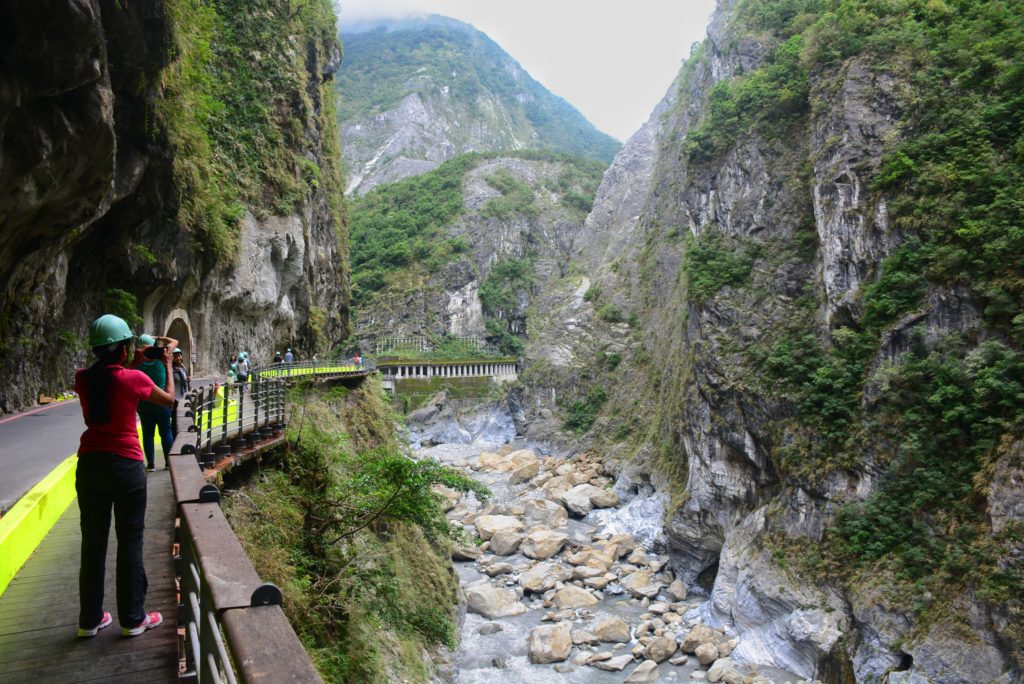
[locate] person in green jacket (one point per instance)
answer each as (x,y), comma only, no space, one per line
(153,416)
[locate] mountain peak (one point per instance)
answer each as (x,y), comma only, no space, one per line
(419,90)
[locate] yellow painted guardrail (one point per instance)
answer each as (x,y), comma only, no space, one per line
(31,518)
(307,370)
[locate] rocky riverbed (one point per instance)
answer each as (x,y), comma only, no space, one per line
(563,583)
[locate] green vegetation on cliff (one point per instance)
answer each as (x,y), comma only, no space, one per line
(952,177)
(399,230)
(241,111)
(386,64)
(352,531)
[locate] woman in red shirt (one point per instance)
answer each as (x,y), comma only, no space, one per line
(110,474)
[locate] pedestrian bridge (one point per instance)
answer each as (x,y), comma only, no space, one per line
(500,370)
(222,623)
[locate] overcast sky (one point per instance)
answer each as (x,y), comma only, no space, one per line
(612,60)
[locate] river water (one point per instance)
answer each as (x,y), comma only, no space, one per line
(502,656)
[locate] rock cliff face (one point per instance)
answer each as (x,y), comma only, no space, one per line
(710,248)
(421,91)
(536,232)
(91,205)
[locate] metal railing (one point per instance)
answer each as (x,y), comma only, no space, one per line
(319,369)
(235,415)
(234,627)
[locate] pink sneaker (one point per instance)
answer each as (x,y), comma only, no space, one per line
(105,622)
(152,620)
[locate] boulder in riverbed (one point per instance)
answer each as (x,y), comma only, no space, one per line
(706,653)
(571,596)
(583,637)
(604,498)
(577,499)
(640,584)
(524,473)
(546,513)
(505,542)
(582,572)
(468,552)
(700,634)
(616,664)
(495,569)
(677,590)
(720,669)
(612,629)
(646,671)
(487,525)
(550,643)
(522,457)
(492,602)
(543,576)
(660,648)
(543,544)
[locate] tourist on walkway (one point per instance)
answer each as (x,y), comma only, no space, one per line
(150,360)
(182,385)
(110,475)
(289,358)
(277,357)
(182,380)
(243,367)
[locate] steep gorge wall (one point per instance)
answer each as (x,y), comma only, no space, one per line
(770,372)
(102,118)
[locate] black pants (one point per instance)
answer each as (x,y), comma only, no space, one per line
(104,481)
(156,418)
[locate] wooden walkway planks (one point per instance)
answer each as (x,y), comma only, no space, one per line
(39,610)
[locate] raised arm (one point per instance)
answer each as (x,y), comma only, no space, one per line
(161,397)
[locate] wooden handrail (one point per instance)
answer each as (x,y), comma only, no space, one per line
(220,590)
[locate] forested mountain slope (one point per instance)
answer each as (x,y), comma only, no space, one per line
(417,92)
(461,250)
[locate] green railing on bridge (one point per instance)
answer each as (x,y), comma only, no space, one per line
(326,369)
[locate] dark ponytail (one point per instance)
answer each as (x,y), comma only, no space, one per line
(98,379)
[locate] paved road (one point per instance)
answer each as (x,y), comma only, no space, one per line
(33,443)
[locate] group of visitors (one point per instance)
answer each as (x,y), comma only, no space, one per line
(130,376)
(149,354)
(288,358)
(239,368)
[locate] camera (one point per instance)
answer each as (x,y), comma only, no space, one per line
(154,352)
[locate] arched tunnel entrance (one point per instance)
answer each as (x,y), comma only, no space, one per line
(179,328)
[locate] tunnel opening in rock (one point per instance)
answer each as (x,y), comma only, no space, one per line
(179,330)
(706,578)
(906,662)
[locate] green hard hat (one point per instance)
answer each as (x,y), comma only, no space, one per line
(176,351)
(108,329)
(146,340)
